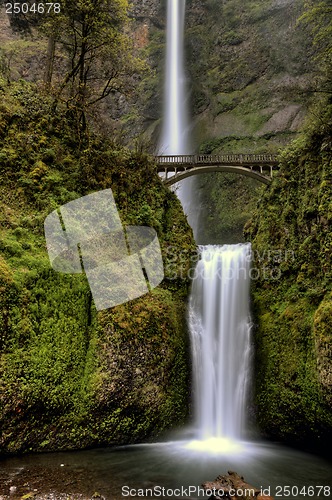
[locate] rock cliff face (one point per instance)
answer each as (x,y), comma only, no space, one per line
(291,237)
(248,64)
(248,69)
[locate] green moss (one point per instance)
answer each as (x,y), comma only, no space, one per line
(72,377)
(323,340)
(293,311)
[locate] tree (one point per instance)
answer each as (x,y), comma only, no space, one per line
(95,38)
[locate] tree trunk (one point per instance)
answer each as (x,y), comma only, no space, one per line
(49,60)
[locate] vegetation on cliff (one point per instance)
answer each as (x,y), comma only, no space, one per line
(291,235)
(251,69)
(291,238)
(72,377)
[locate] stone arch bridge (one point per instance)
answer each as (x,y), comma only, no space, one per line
(174,168)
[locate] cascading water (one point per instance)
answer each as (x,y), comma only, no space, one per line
(175,134)
(220,334)
(176,130)
(219,314)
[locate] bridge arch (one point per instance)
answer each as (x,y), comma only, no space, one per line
(256,166)
(259,167)
(179,176)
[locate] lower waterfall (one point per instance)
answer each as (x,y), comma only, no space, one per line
(219,321)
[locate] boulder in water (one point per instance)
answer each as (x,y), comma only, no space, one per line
(233,486)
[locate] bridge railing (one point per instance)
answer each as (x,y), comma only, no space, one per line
(215,159)
(186,159)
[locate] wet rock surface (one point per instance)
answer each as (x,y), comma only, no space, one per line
(232,485)
(43,483)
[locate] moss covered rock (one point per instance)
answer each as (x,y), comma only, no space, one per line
(291,235)
(323,339)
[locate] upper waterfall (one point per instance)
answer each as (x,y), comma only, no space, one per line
(175,132)
(175,137)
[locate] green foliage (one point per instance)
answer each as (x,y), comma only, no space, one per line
(318,18)
(80,55)
(70,377)
(229,200)
(93,35)
(323,339)
(292,295)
